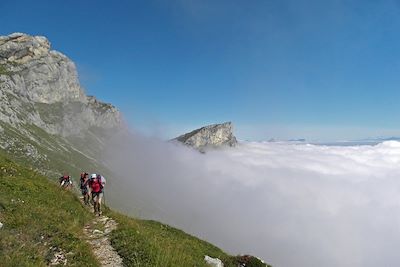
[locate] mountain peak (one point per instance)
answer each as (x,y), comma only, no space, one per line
(21,48)
(215,135)
(40,86)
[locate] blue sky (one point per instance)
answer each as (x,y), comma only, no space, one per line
(322,70)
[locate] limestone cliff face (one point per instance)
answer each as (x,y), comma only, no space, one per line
(40,74)
(40,86)
(215,135)
(45,116)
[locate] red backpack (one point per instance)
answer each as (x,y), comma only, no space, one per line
(97,186)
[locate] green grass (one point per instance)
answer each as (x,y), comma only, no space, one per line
(4,70)
(38,216)
(149,243)
(49,217)
(60,156)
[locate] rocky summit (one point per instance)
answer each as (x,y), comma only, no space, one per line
(42,105)
(215,135)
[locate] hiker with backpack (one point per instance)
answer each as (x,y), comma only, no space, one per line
(97,183)
(85,187)
(65,181)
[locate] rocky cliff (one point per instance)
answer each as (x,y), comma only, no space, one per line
(215,135)
(40,86)
(42,104)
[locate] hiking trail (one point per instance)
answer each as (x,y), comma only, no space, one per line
(96,234)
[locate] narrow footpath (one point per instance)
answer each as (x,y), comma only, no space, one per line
(97,235)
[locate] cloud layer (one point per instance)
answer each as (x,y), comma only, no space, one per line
(291,204)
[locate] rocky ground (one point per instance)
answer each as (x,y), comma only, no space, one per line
(96,234)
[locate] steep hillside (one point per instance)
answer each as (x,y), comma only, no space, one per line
(40,221)
(42,224)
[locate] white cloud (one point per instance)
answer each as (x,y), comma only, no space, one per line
(291,204)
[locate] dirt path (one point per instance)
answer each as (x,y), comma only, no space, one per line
(96,234)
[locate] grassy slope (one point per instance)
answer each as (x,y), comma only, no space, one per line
(150,243)
(37,215)
(59,157)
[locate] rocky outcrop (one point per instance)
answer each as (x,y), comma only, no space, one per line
(215,135)
(38,73)
(40,86)
(46,118)
(213,262)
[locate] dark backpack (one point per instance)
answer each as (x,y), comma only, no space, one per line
(83,182)
(62,178)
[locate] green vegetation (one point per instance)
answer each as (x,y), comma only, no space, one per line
(4,70)
(60,155)
(150,243)
(39,220)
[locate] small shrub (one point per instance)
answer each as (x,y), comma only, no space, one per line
(4,70)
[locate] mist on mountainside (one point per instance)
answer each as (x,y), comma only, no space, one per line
(290,204)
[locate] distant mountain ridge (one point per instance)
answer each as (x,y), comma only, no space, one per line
(380,139)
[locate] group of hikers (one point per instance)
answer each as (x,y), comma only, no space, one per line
(92,188)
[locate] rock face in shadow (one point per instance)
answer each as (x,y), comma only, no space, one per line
(211,136)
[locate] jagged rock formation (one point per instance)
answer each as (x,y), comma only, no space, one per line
(215,135)
(43,106)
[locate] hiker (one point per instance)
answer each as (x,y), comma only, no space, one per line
(97,186)
(85,187)
(91,180)
(65,181)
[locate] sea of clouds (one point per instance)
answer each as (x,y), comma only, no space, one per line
(292,204)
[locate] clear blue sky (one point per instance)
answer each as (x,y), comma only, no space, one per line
(276,68)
